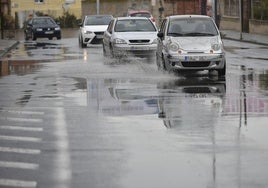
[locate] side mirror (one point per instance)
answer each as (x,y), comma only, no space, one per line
(160,35)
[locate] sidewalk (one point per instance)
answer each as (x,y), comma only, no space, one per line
(7,45)
(245,37)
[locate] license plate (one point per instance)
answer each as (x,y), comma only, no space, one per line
(49,32)
(191,58)
(139,48)
(99,36)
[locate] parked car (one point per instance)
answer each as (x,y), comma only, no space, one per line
(190,42)
(130,36)
(92,29)
(141,13)
(42,27)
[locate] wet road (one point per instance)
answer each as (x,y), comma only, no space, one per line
(70,118)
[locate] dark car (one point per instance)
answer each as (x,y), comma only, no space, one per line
(42,27)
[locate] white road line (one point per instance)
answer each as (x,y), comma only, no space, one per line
(20,138)
(23,112)
(20,128)
(22,119)
(9,164)
(62,163)
(20,150)
(17,183)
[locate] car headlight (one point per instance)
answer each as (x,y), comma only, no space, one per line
(119,41)
(57,28)
(87,32)
(173,47)
(215,47)
(154,41)
(39,29)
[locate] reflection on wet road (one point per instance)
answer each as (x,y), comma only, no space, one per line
(128,125)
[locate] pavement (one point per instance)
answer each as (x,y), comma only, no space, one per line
(8,44)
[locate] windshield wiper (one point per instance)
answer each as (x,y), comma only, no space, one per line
(175,34)
(199,34)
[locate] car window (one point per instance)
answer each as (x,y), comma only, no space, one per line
(143,25)
(98,20)
(110,27)
(192,27)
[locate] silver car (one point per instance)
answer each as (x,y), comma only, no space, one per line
(190,42)
(128,36)
(92,29)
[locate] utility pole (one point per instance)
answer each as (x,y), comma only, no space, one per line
(98,6)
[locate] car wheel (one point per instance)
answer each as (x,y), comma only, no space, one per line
(222,72)
(104,51)
(33,36)
(50,38)
(59,37)
(162,63)
(26,37)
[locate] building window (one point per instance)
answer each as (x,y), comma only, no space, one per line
(39,1)
(231,8)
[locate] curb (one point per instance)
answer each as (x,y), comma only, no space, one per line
(4,52)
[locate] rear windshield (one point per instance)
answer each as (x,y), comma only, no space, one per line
(98,20)
(143,25)
(192,27)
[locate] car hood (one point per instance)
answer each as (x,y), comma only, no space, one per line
(45,26)
(96,27)
(136,35)
(195,43)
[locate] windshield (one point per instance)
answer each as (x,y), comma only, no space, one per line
(192,27)
(134,25)
(43,21)
(98,20)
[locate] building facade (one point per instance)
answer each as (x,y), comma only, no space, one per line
(55,8)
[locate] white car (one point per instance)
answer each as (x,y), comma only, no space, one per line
(127,36)
(190,42)
(92,29)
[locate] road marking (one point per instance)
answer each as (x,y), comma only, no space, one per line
(21,128)
(22,119)
(19,138)
(23,112)
(62,162)
(9,164)
(20,150)
(17,183)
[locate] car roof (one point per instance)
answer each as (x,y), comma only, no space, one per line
(104,15)
(188,16)
(138,11)
(132,18)
(37,17)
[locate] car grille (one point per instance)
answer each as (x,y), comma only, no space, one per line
(99,33)
(195,64)
(48,29)
(139,41)
(197,90)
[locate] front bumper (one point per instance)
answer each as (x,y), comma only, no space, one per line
(93,38)
(137,50)
(47,34)
(196,61)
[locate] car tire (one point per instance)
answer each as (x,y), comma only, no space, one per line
(50,38)
(104,51)
(222,72)
(59,37)
(26,37)
(33,36)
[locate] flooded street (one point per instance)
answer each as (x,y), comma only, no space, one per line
(71,118)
